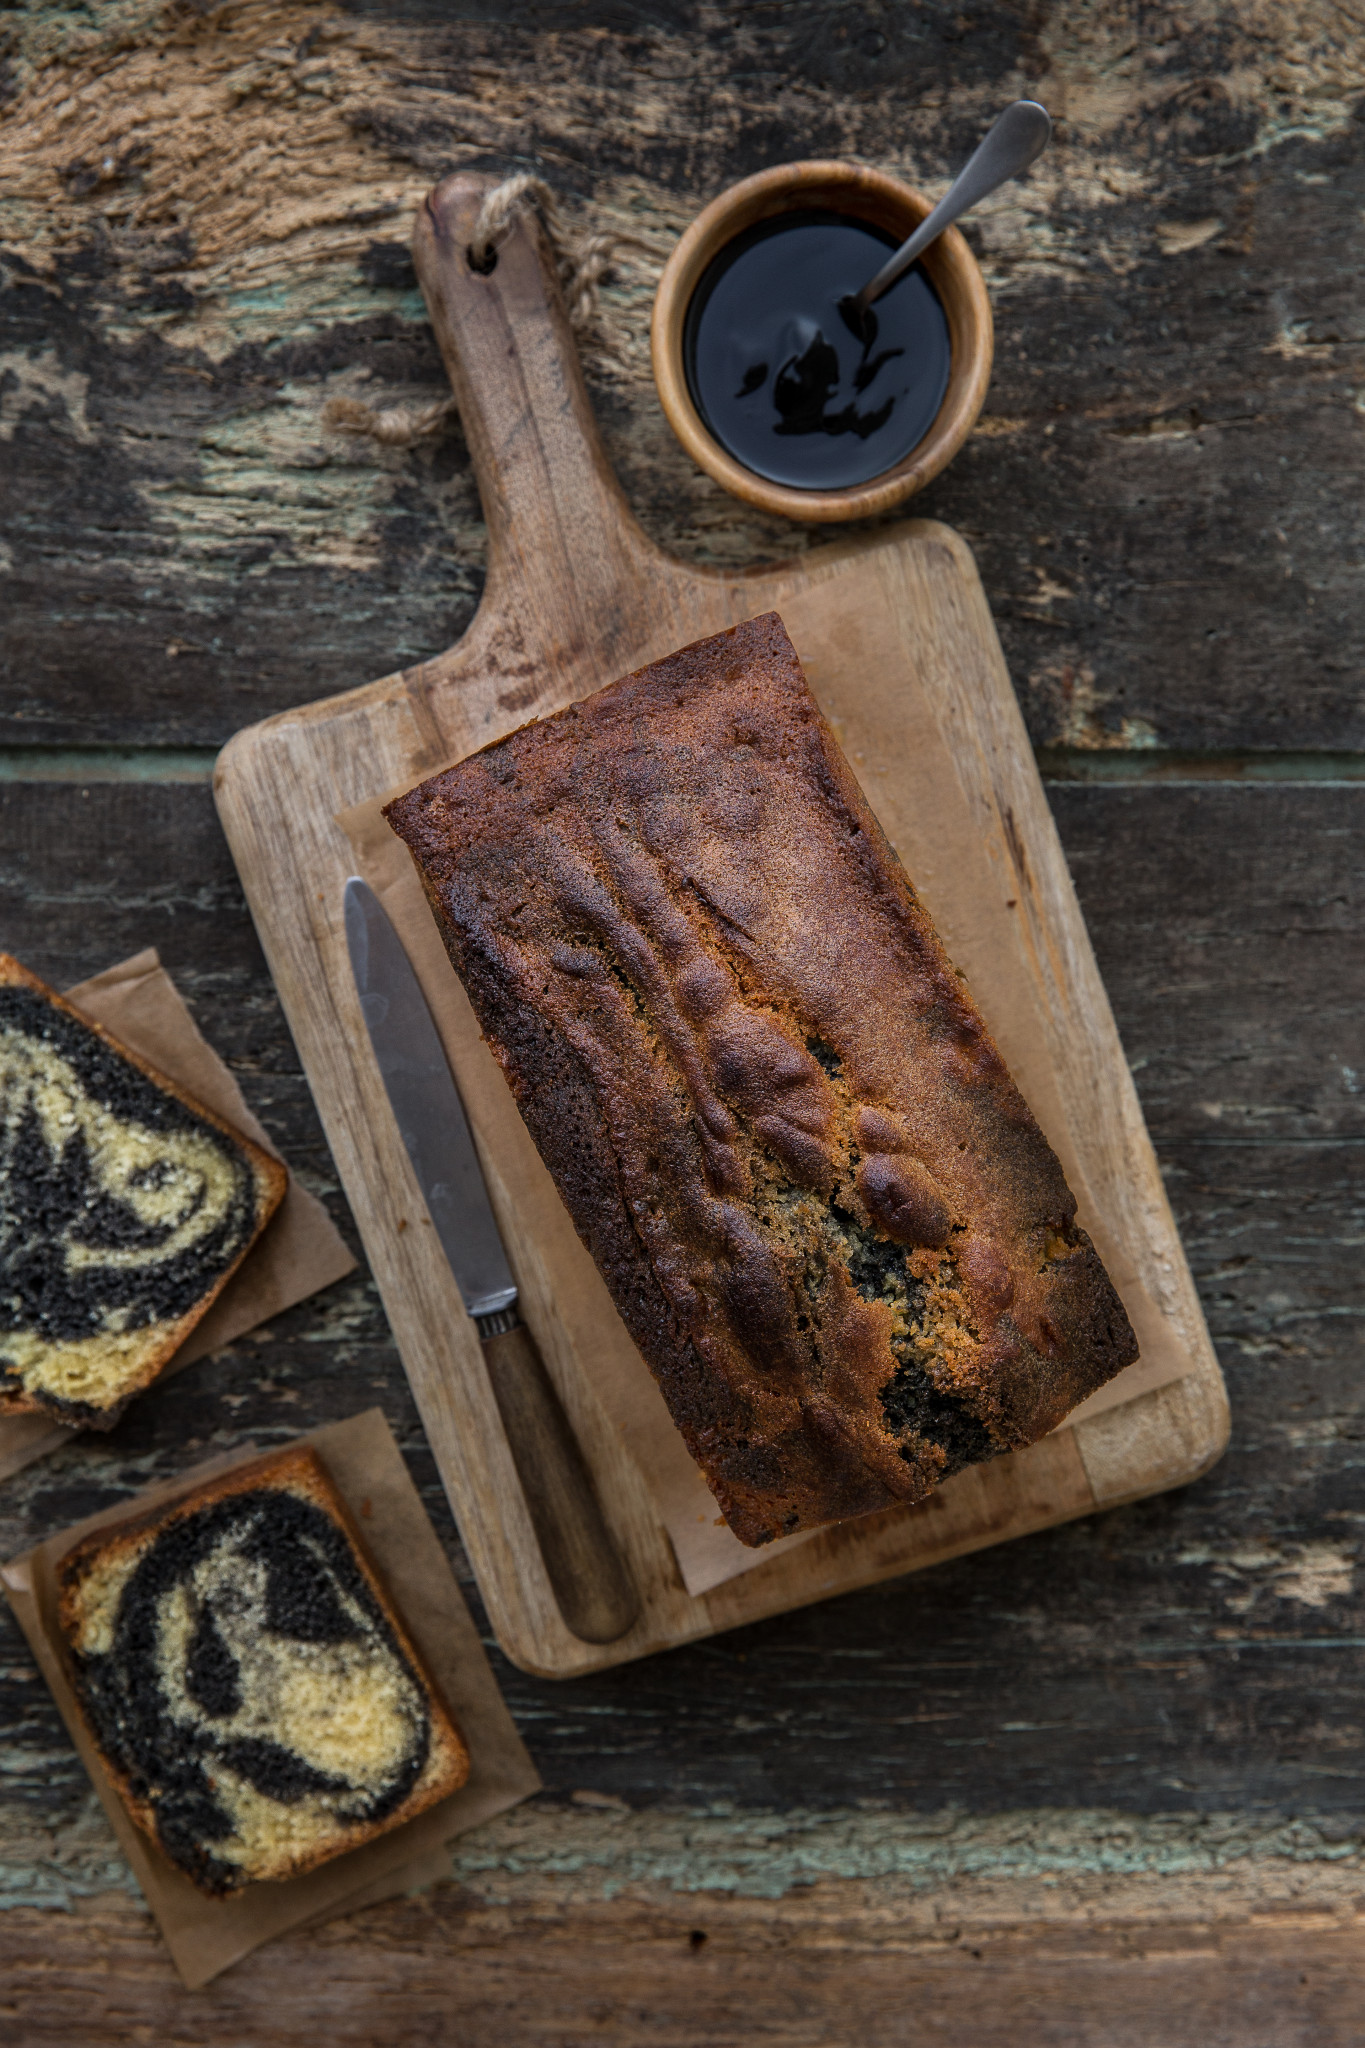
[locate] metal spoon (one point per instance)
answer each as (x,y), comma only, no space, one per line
(1020,135)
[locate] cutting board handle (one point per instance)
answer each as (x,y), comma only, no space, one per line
(561,537)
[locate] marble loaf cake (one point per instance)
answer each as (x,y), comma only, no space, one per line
(249,1688)
(125,1208)
(823,1208)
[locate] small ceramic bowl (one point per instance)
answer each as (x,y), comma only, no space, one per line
(952,268)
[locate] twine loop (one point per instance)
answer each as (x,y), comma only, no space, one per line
(582,262)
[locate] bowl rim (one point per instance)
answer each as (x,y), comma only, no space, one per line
(956,276)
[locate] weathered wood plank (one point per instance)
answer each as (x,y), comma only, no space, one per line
(1200,1651)
(204,229)
(679,1972)
(206,214)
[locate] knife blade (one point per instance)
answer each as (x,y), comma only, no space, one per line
(590,1583)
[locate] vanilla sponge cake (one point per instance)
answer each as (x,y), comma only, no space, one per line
(125,1206)
(249,1687)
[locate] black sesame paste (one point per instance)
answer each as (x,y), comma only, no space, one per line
(793,387)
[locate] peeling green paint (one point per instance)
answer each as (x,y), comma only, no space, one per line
(766,1855)
(296,305)
(58,31)
(602,1850)
(57,1869)
(320,495)
(107,764)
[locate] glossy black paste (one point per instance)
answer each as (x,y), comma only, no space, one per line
(786,381)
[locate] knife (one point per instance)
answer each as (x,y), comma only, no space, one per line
(589,1580)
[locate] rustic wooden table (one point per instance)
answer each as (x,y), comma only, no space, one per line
(1108,1784)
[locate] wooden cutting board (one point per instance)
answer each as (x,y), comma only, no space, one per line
(898,642)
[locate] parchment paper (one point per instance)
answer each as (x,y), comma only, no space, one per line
(562,1284)
(300,1250)
(205,1935)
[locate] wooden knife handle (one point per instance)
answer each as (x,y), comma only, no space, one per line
(590,1582)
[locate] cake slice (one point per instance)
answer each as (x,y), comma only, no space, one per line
(125,1207)
(251,1691)
(823,1208)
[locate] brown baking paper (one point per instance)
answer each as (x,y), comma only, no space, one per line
(561,1285)
(300,1250)
(205,1935)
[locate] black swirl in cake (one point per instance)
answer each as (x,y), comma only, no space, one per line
(250,1689)
(124,1208)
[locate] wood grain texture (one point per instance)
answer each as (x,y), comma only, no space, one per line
(590,1583)
(900,651)
(205,220)
(1196,1657)
(206,217)
(825,1970)
(1208,1639)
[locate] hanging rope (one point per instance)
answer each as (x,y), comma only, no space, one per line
(395,426)
(582,262)
(500,208)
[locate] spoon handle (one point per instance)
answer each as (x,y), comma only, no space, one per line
(1008,148)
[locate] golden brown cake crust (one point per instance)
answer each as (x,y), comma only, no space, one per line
(34,1390)
(173,1745)
(823,1208)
